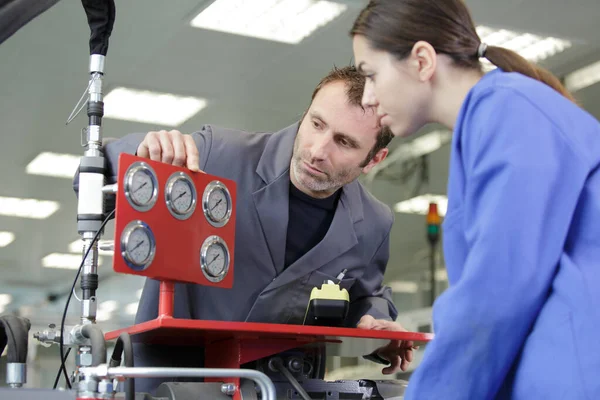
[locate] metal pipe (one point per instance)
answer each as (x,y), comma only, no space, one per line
(264,383)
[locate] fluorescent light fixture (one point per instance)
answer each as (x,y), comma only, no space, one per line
(6,238)
(420,204)
(66,261)
(441,275)
(424,144)
(77,247)
(584,77)
(532,47)
(286,21)
(27,208)
(131,308)
(150,107)
(103,315)
(5,299)
(108,305)
(428,143)
(403,286)
(1,311)
(54,164)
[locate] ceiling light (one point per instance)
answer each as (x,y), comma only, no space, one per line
(420,204)
(286,21)
(5,299)
(428,143)
(27,208)
(131,308)
(102,315)
(6,238)
(77,247)
(441,275)
(584,77)
(150,107)
(532,47)
(108,305)
(54,164)
(403,287)
(420,146)
(66,261)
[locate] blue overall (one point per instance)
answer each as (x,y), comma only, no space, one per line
(521,319)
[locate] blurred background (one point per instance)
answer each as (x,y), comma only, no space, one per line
(252,67)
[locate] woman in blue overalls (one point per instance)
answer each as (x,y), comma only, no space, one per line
(521,318)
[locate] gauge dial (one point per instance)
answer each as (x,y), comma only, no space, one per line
(141,187)
(180,195)
(214,259)
(216,203)
(138,245)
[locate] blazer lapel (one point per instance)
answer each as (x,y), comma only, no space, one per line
(272,200)
(271,204)
(340,238)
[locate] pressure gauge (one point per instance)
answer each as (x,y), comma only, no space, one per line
(138,245)
(214,258)
(180,195)
(216,203)
(141,186)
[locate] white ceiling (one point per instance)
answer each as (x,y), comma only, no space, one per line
(250,84)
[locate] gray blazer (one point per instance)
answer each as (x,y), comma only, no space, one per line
(357,240)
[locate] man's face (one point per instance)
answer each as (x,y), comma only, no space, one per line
(333,141)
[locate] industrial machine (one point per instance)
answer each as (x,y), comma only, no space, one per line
(153,202)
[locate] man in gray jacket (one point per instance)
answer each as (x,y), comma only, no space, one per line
(302,217)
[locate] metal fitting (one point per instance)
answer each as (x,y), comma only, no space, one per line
(229,389)
(16,374)
(106,388)
(50,335)
(87,387)
(84,357)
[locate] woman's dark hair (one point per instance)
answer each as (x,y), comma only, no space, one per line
(395,26)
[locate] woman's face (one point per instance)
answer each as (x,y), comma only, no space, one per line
(393,87)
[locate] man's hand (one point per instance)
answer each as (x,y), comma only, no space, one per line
(398,352)
(171,148)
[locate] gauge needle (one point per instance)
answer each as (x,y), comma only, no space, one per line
(217,256)
(218,202)
(139,187)
(180,196)
(137,245)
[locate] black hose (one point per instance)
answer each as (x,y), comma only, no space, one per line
(94,333)
(124,346)
(14,332)
(277,364)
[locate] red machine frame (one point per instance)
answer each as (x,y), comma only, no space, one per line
(226,344)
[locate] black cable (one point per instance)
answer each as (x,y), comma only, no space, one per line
(64,316)
(60,369)
(279,367)
(124,346)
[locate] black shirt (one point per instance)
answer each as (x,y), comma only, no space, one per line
(309,221)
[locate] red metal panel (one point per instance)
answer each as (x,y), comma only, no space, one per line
(198,332)
(178,242)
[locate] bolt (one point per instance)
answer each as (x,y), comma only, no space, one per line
(228,388)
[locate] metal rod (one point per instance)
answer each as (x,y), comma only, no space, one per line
(264,383)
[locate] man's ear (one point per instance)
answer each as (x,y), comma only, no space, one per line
(379,157)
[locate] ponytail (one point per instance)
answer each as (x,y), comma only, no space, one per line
(509,61)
